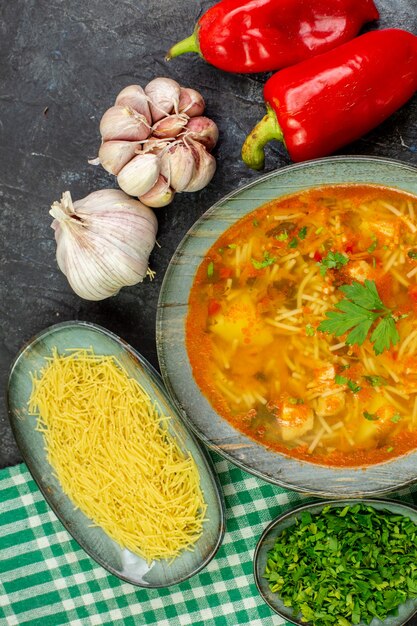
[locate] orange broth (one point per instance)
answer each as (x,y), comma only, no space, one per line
(252,327)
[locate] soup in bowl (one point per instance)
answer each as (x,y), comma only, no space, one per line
(302,324)
(287,326)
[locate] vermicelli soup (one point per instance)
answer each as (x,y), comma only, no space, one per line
(302,325)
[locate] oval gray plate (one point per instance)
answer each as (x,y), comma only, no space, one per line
(94,540)
(271,532)
(172,311)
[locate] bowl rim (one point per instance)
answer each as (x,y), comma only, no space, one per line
(290,167)
(319,492)
(295,512)
(209,465)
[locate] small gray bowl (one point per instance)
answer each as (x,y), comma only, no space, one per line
(122,563)
(197,412)
(271,532)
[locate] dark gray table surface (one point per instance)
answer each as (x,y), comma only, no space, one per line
(62,64)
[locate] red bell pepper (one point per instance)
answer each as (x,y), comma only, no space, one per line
(324,103)
(263,35)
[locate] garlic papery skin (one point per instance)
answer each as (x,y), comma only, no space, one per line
(103,241)
(204,168)
(177,165)
(140,174)
(160,195)
(156,146)
(113,155)
(164,95)
(133,96)
(124,123)
(191,102)
(170,126)
(203,130)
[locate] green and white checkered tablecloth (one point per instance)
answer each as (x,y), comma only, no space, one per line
(46,579)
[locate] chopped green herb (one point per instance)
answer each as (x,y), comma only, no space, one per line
(390,449)
(296,401)
(373,245)
(267,260)
(232,246)
(293,243)
(333,260)
(220,250)
(302,233)
(310,330)
(342,380)
(319,230)
(372,417)
(395,418)
(344,565)
(358,312)
(282,236)
(354,387)
(412,254)
(376,381)
(210,269)
(255,223)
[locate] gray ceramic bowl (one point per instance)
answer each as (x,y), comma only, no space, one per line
(172,311)
(271,532)
(94,540)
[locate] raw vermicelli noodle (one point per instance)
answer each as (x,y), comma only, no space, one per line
(114,456)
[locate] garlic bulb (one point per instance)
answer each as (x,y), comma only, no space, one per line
(103,241)
(147,141)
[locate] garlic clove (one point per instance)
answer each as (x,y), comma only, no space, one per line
(191,102)
(113,155)
(203,130)
(164,95)
(140,174)
(170,126)
(133,96)
(205,166)
(177,165)
(122,123)
(160,195)
(103,241)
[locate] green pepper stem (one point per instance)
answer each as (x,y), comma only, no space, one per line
(267,129)
(190,44)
